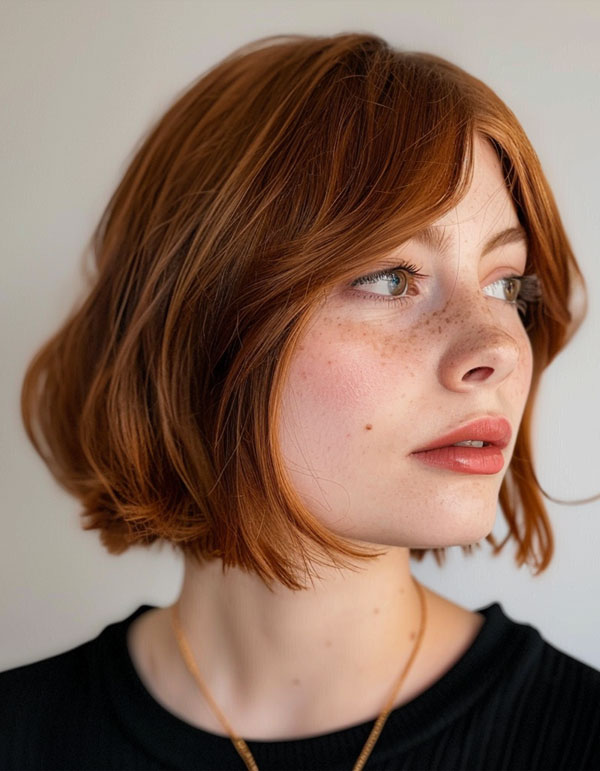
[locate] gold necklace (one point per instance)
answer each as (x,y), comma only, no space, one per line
(241,745)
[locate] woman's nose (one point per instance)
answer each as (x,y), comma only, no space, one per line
(485,353)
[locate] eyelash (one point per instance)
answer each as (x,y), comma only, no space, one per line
(529,285)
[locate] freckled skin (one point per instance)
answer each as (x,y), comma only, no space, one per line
(374,381)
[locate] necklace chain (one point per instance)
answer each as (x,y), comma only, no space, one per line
(241,745)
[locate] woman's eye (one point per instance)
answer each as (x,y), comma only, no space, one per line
(397,284)
(506,288)
(518,290)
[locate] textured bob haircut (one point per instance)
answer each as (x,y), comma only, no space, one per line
(292,165)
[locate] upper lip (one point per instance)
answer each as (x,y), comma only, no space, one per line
(495,430)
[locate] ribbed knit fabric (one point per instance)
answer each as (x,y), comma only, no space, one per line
(512,701)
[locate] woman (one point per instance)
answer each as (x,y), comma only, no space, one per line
(328,285)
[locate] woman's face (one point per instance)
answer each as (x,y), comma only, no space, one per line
(372,381)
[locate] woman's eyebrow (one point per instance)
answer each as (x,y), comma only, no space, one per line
(435,238)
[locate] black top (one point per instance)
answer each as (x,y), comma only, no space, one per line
(512,701)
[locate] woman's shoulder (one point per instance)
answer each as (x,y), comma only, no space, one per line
(74,666)
(32,689)
(541,703)
(550,697)
(38,698)
(29,677)
(518,652)
(559,673)
(64,695)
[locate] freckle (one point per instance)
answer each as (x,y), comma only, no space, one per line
(427,323)
(447,321)
(328,643)
(375,611)
(295,681)
(440,330)
(368,426)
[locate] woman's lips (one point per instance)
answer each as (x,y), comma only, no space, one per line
(442,453)
(493,429)
(465,460)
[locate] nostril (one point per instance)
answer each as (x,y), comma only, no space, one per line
(478,373)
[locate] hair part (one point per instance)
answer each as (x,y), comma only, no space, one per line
(290,166)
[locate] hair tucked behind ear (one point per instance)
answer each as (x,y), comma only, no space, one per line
(290,166)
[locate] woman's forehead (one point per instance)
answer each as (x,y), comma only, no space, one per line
(487,207)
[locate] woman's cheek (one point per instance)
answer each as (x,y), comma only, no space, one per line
(355,381)
(357,370)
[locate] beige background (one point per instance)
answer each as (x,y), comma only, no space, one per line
(80,82)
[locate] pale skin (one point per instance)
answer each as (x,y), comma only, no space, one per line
(370,383)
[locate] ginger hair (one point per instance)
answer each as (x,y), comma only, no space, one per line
(291,165)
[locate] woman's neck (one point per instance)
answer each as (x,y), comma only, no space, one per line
(282,663)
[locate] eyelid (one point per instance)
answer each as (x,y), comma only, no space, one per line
(406,267)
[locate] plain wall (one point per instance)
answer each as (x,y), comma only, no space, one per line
(80,83)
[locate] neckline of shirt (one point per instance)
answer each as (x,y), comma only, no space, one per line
(500,642)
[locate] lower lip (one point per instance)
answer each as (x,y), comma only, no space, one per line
(465,460)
